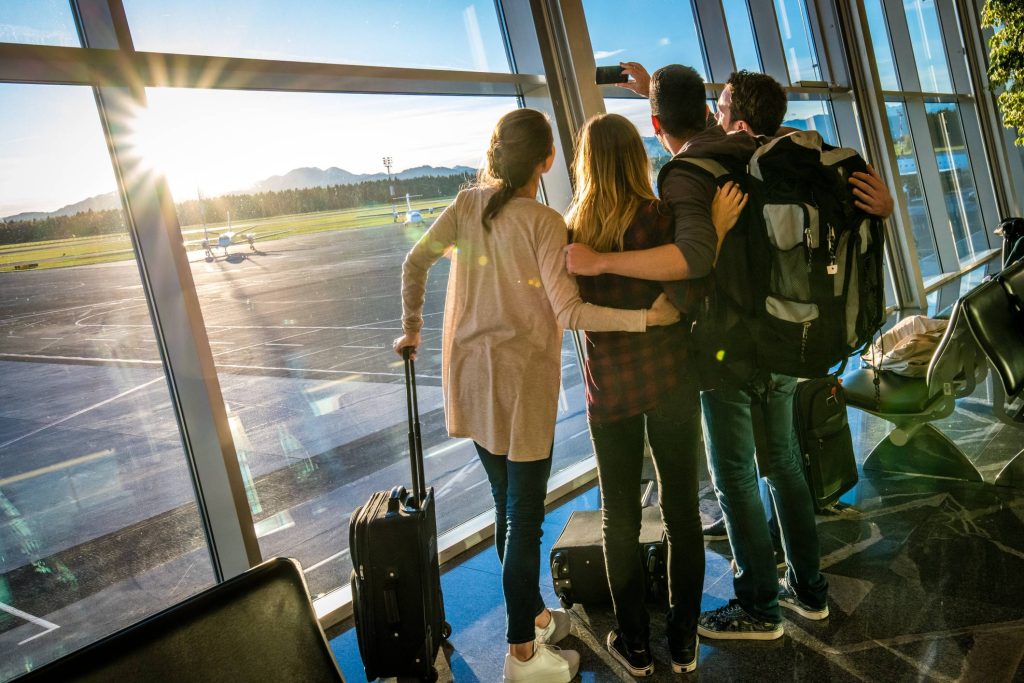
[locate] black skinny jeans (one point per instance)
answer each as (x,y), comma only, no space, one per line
(674,433)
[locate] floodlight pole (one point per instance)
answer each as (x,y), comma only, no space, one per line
(391,188)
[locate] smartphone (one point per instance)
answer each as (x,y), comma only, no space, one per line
(610,74)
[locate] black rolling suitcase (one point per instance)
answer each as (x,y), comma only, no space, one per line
(396,582)
(826,445)
(577,559)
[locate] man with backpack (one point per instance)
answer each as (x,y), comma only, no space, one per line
(752,104)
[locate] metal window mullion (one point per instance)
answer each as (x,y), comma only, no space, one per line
(953,44)
(112,67)
(831,47)
(867,94)
(716,43)
(902,48)
(1000,165)
(931,183)
(536,34)
(769,40)
(175,313)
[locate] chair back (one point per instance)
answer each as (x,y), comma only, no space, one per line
(957,365)
(258,626)
(998,329)
(1012,279)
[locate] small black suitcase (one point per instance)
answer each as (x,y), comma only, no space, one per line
(577,558)
(826,445)
(396,582)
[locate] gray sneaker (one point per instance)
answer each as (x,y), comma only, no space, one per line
(790,600)
(732,622)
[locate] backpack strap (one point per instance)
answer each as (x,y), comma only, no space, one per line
(704,165)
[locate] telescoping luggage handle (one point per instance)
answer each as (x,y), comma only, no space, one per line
(419,485)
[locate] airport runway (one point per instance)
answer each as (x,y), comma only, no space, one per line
(95,497)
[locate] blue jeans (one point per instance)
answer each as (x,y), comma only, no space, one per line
(729,435)
(673,429)
(519,489)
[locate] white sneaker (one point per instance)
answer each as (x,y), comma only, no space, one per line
(547,665)
(556,629)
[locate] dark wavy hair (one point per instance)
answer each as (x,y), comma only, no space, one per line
(678,99)
(757,99)
(521,140)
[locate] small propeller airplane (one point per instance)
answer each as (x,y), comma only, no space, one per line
(226,239)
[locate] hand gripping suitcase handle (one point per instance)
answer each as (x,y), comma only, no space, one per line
(419,485)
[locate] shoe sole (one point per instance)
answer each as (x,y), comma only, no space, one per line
(739,635)
(638,673)
(678,668)
(813,615)
(550,678)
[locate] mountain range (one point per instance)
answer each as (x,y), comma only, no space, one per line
(292,180)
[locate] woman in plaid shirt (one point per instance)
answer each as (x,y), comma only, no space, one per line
(638,383)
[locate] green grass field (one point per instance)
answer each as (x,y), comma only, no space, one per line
(81,251)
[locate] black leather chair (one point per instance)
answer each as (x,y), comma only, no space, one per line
(258,626)
(995,316)
(911,404)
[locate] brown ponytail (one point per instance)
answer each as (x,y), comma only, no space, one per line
(521,140)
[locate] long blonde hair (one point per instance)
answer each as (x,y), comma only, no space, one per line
(521,140)
(613,178)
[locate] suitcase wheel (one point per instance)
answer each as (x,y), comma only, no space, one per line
(565,601)
(446,630)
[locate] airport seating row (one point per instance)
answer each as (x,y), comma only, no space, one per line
(986,329)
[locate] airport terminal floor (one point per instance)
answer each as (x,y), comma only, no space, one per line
(926,578)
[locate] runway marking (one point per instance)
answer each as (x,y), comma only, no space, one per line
(279,344)
(89,359)
(51,338)
(324,561)
(445,448)
(48,626)
(82,411)
(101,339)
(351,373)
(57,467)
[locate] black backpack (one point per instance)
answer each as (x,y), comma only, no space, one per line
(721,341)
(798,282)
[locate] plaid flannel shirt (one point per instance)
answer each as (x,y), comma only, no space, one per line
(628,373)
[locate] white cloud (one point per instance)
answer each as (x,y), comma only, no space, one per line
(604,54)
(664,41)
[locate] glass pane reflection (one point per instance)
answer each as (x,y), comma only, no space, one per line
(909,185)
(98,522)
(959,191)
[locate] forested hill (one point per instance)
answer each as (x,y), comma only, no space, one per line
(241,206)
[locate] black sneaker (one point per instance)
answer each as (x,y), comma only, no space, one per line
(732,622)
(638,662)
(715,531)
(790,600)
(684,659)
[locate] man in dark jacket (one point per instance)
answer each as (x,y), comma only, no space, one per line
(751,105)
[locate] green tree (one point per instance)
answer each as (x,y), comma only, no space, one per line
(1006,59)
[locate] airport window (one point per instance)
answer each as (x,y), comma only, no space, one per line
(741,35)
(437,34)
(301,316)
(959,191)
(98,521)
(37,22)
(910,188)
(882,47)
(926,36)
(652,33)
(797,41)
(812,115)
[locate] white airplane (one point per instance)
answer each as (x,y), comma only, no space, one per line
(226,238)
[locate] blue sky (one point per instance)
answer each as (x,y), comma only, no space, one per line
(52,151)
